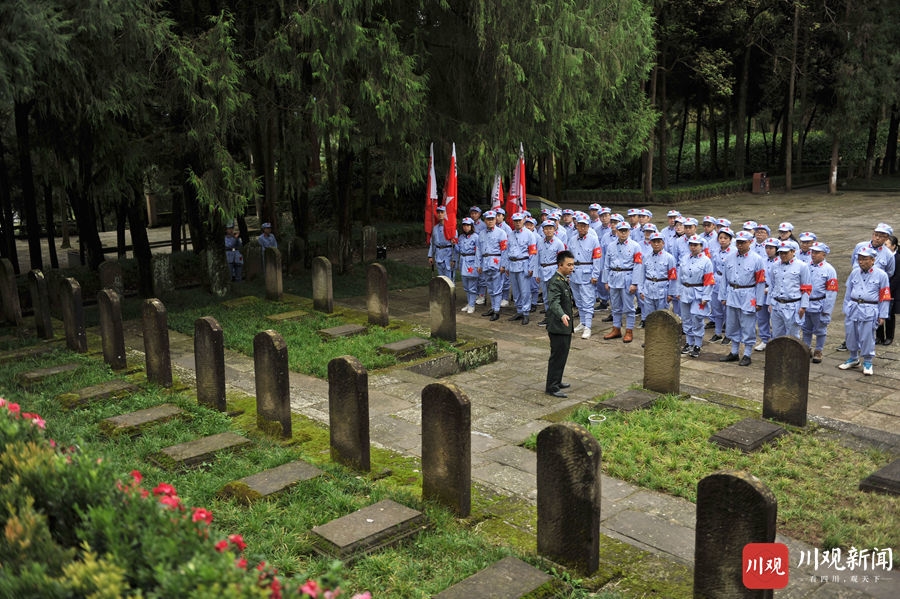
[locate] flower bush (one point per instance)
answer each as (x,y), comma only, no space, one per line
(70,531)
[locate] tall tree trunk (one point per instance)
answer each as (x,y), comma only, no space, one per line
(773,153)
(804,87)
(177,219)
(343,191)
(684,118)
(742,151)
(726,139)
(697,153)
(8,247)
(64,224)
(749,137)
(82,206)
(890,154)
(134,210)
(713,140)
(663,127)
(870,147)
(121,216)
(832,178)
(29,201)
(789,120)
(647,177)
(51,226)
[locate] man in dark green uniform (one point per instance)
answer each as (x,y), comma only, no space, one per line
(560,326)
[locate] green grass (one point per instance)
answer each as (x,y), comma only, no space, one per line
(814,477)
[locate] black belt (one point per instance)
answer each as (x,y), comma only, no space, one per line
(583,263)
(620,269)
(861,301)
(657,280)
(490,254)
(693,284)
(517,259)
(742,286)
(549,264)
(718,273)
(441,247)
(781,300)
(467,254)
(815,299)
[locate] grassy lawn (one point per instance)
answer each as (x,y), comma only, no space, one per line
(813,476)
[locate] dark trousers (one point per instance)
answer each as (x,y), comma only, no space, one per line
(886,331)
(559,353)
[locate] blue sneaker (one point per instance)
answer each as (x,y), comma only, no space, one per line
(851,363)
(867,368)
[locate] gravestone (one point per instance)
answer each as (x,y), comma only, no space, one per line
(209,363)
(285,316)
(9,293)
(113,389)
(786,381)
(885,480)
(377,295)
(568,496)
(733,509)
(333,247)
(662,352)
(510,578)
(274,289)
(73,258)
(30,378)
(111,277)
(158,357)
(112,335)
(375,527)
(629,401)
(348,412)
(73,315)
(447,447)
(133,423)
(344,330)
(442,308)
(369,244)
(163,274)
(323,294)
(748,435)
(273,388)
(405,349)
(254,264)
(199,451)
(269,482)
(40,302)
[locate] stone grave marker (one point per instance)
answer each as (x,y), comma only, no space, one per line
(40,301)
(134,423)
(158,356)
(662,352)
(209,362)
(442,308)
(9,293)
(377,295)
(369,244)
(269,482)
(254,264)
(323,294)
(348,412)
(344,330)
(405,349)
(733,509)
(375,527)
(73,315)
(240,302)
(748,435)
(112,335)
(447,447)
(286,316)
(73,258)
(273,389)
(108,390)
(786,381)
(199,451)
(885,480)
(568,496)
(274,288)
(111,277)
(510,578)
(27,380)
(163,275)
(633,399)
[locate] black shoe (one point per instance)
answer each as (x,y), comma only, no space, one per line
(695,351)
(686,349)
(564,385)
(607,319)
(516,316)
(488,313)
(879,342)
(543,323)
(725,341)
(495,316)
(888,341)
(715,338)
(710,325)
(556,393)
(641,326)
(729,358)
(745,361)
(842,346)
(525,320)
(533,309)
(604,304)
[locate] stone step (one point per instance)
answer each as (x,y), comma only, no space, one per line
(240,302)
(510,578)
(195,453)
(345,330)
(29,379)
(635,399)
(17,355)
(748,435)
(375,527)
(134,423)
(287,316)
(269,482)
(110,389)
(886,480)
(405,349)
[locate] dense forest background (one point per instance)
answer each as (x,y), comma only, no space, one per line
(299,111)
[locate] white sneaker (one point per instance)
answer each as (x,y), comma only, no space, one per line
(470,309)
(761,346)
(579,328)
(465,308)
(480,300)
(586,334)
(851,363)
(504,303)
(867,368)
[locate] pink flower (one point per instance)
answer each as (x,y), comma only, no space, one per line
(241,562)
(275,589)
(38,422)
(202,514)
(136,477)
(333,594)
(221,546)
(170,501)
(2,402)
(165,489)
(238,541)
(311,588)
(366,595)
(13,408)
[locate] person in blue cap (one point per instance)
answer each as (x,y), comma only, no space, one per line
(710,230)
(266,240)
(468,255)
(866,304)
(761,233)
(763,317)
(884,258)
(659,284)
(789,291)
(502,224)
(742,292)
(233,255)
(493,262)
(824,282)
(622,270)
(521,254)
(884,335)
(548,248)
(696,281)
(440,250)
(806,239)
(719,255)
(585,247)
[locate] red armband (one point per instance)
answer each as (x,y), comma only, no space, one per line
(597,253)
(807,289)
(503,245)
(760,276)
(831,285)
(884,294)
(638,258)
(532,250)
(673,273)
(708,279)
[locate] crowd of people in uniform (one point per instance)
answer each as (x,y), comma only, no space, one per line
(746,283)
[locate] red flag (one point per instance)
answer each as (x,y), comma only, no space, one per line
(431,197)
(450,199)
(516,200)
(521,170)
(497,192)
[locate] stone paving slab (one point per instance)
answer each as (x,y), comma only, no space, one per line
(270,482)
(405,349)
(374,527)
(885,480)
(240,302)
(26,353)
(510,578)
(134,423)
(107,390)
(29,379)
(656,533)
(635,399)
(344,330)
(287,316)
(199,451)
(748,435)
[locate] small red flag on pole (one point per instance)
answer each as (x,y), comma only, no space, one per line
(521,170)
(450,198)
(431,196)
